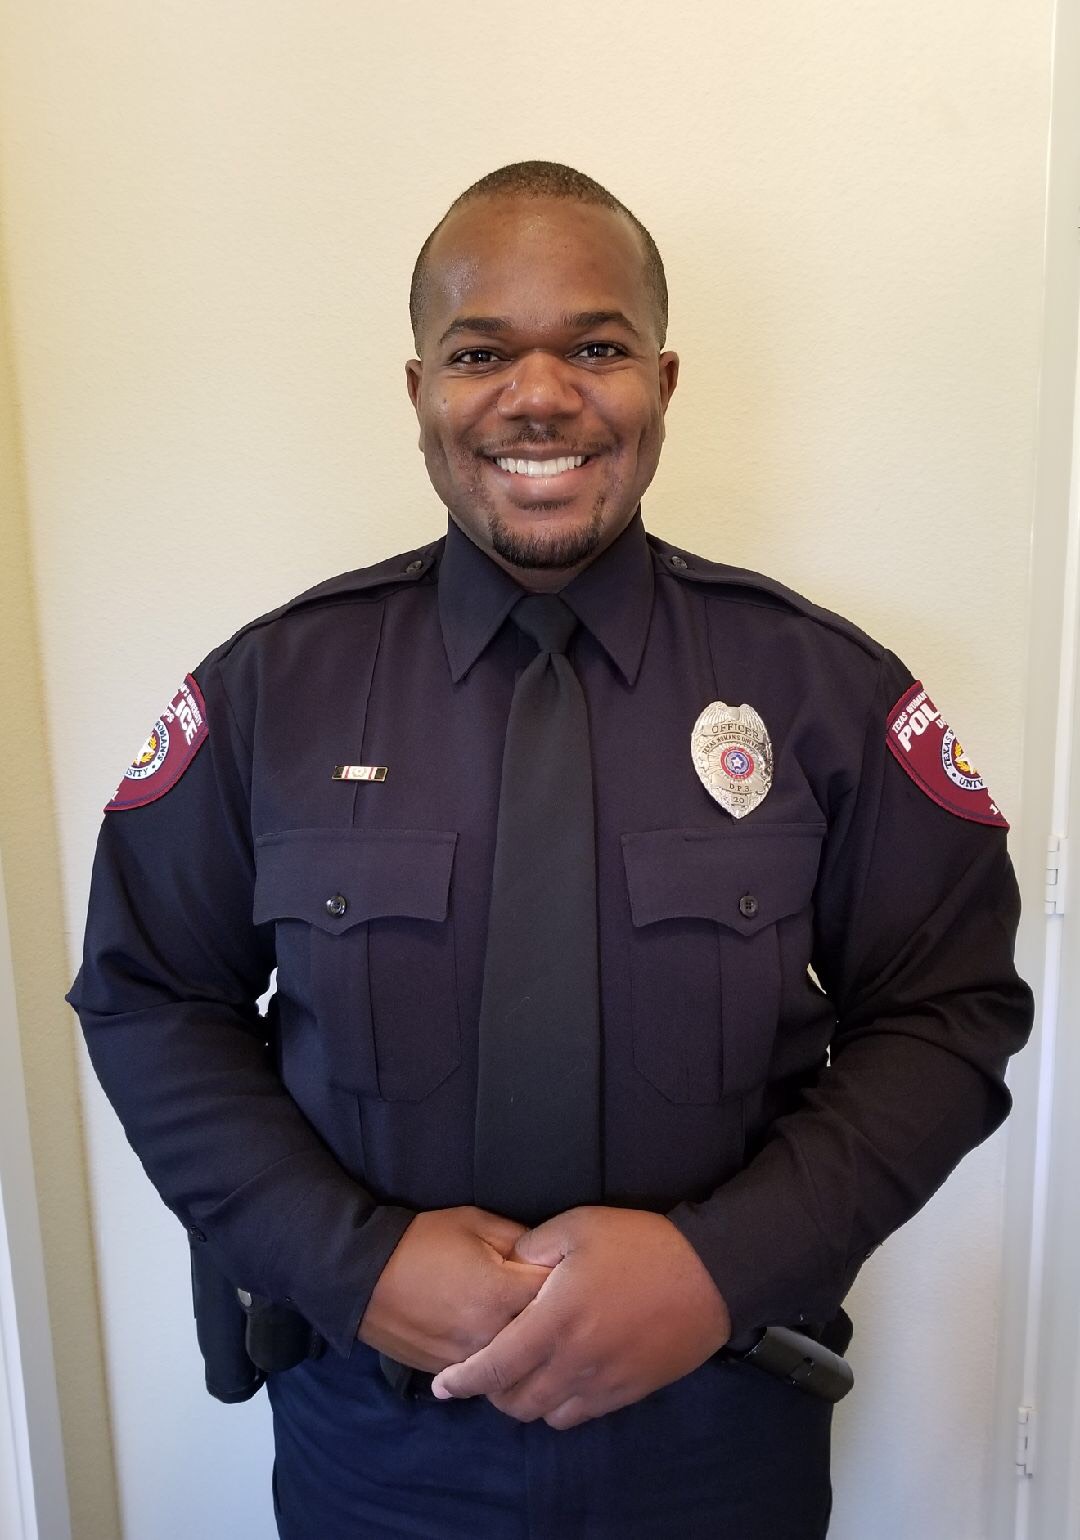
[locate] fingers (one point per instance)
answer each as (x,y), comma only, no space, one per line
(553,1392)
(562,1400)
(547,1244)
(522,1282)
(498,1296)
(570,1414)
(501,1234)
(517,1374)
(519,1349)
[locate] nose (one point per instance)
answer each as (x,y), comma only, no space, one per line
(541,386)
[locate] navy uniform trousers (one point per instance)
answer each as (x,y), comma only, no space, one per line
(726,1453)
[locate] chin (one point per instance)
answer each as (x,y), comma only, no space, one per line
(547,549)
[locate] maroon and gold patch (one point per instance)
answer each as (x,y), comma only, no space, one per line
(924,743)
(175,738)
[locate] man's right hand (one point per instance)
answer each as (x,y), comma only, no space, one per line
(449,1288)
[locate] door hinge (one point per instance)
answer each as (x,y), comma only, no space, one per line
(1057,869)
(1025,1441)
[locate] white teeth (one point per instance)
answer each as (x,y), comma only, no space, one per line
(541,467)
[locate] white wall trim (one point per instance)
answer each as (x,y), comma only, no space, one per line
(33,1499)
(1051,1369)
(18,1512)
(1038,1365)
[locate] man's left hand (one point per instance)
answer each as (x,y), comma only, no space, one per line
(628,1307)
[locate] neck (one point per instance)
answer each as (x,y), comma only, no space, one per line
(541,580)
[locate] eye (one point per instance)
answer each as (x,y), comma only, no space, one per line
(475,357)
(600,352)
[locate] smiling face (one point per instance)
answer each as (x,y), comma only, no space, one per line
(542,390)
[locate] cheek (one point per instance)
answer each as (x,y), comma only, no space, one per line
(636,417)
(445,427)
(653,429)
(643,434)
(433,434)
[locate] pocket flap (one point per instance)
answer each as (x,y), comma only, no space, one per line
(744,879)
(336,878)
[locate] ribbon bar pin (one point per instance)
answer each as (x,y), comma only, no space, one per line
(359,773)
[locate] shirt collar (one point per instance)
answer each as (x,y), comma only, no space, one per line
(612,598)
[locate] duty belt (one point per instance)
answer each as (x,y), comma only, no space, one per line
(808,1363)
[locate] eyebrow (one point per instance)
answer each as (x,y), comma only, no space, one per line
(579,321)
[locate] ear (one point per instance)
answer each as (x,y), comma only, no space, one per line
(414,374)
(414,378)
(669,377)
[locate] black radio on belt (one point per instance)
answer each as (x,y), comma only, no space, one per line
(276,1336)
(802,1361)
(244,1337)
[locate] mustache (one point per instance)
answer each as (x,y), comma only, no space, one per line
(555,445)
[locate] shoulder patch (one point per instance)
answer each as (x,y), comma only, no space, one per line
(924,743)
(175,739)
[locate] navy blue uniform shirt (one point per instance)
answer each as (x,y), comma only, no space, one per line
(786,1120)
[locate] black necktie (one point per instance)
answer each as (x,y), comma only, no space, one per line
(538,1095)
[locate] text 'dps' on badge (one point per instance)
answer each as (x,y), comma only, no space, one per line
(175,739)
(733,756)
(359,773)
(921,740)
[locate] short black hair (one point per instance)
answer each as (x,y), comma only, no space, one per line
(545,179)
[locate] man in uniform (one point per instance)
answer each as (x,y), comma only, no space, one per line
(643,945)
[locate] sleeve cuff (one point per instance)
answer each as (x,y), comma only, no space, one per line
(763,1247)
(382,1233)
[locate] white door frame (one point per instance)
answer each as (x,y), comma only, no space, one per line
(1035,1495)
(33,1495)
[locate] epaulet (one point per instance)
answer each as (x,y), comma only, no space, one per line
(754,588)
(395,572)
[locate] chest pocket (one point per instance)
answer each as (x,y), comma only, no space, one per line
(365,944)
(705,952)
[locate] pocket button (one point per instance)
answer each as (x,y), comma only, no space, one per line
(748,906)
(336,905)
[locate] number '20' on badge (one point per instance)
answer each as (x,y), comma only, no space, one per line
(733,756)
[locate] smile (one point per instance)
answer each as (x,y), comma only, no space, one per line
(557,467)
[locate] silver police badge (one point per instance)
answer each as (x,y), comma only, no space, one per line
(733,756)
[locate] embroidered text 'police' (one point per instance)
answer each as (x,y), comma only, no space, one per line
(733,756)
(923,742)
(175,739)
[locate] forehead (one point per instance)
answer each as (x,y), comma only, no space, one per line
(531,258)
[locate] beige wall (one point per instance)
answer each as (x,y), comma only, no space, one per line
(212,212)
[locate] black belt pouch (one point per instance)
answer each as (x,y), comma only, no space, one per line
(221,1325)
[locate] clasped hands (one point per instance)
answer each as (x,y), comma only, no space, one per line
(589,1311)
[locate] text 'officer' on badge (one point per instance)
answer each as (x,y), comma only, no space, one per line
(733,756)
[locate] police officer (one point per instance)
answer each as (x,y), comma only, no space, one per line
(800,912)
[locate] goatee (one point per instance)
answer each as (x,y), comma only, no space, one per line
(541,550)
